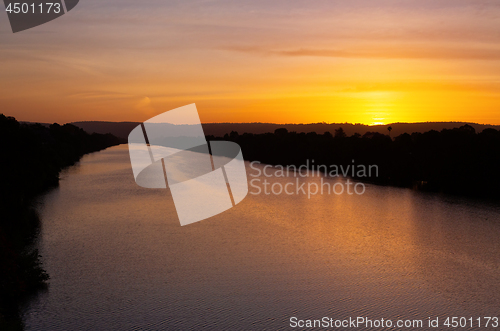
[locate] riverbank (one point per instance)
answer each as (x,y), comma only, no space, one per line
(32,157)
(453,161)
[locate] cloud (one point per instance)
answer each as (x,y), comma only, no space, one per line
(398,51)
(100,95)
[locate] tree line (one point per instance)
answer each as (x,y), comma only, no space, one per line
(32,156)
(456,161)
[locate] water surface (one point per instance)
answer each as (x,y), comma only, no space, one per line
(119,260)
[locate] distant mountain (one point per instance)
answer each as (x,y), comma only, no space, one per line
(118,129)
(42,124)
(122,129)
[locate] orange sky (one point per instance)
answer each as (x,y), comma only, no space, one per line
(282,61)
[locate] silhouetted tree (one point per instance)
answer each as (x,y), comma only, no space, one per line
(280,132)
(233,135)
(339,133)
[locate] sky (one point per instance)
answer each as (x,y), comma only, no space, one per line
(278,61)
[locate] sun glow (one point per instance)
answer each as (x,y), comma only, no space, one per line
(365,66)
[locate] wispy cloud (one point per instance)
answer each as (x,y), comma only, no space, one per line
(395,52)
(93,95)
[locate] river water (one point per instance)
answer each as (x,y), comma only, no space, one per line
(119,260)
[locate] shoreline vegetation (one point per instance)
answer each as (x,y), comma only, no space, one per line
(455,161)
(32,156)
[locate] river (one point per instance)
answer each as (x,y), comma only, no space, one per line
(119,260)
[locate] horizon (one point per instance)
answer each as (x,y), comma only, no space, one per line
(273,123)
